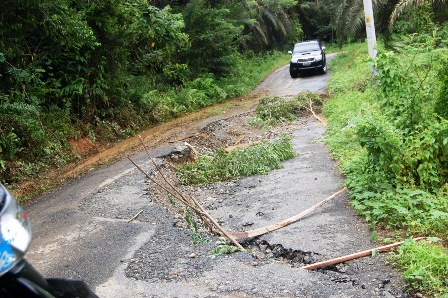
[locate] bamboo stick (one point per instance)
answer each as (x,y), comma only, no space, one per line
(284,223)
(198,207)
(355,255)
(135,216)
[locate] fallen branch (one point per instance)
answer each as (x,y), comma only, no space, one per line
(190,202)
(135,216)
(195,152)
(357,255)
(186,203)
(314,114)
(264,230)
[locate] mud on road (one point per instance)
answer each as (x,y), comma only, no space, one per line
(87,235)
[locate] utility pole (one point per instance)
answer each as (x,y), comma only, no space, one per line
(370,28)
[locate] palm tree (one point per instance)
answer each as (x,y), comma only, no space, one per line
(403,5)
(350,14)
(268,21)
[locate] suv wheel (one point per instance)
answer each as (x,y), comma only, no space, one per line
(323,69)
(294,73)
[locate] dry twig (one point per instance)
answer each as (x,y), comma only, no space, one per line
(135,216)
(312,111)
(195,152)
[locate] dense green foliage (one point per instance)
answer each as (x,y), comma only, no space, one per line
(390,135)
(109,68)
(396,157)
(106,69)
(221,166)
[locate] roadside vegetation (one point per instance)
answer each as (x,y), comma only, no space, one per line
(389,134)
(105,70)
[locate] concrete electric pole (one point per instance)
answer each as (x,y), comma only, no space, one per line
(370,27)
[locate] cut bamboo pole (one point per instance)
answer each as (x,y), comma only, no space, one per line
(264,230)
(357,255)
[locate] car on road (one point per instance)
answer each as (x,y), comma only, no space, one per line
(306,56)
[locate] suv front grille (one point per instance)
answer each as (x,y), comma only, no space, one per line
(306,60)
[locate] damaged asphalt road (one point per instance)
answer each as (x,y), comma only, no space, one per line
(81,230)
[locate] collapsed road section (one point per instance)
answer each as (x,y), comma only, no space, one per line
(94,228)
(270,265)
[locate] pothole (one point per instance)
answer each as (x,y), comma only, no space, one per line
(264,251)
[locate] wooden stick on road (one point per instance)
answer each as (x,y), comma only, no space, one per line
(135,216)
(357,255)
(284,223)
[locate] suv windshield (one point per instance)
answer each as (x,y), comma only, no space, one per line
(306,47)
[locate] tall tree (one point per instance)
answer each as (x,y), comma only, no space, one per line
(213,36)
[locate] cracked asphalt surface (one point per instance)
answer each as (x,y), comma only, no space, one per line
(81,231)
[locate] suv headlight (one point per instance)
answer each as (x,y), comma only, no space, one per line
(318,58)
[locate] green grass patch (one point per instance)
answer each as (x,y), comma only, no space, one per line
(221,166)
(223,249)
(425,266)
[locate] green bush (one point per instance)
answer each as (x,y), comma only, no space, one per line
(391,141)
(273,109)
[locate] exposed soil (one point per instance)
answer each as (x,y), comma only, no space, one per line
(153,256)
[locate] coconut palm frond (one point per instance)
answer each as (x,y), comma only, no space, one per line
(257,27)
(356,14)
(406,4)
(350,16)
(402,6)
(273,20)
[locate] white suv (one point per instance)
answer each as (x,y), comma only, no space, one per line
(307,55)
